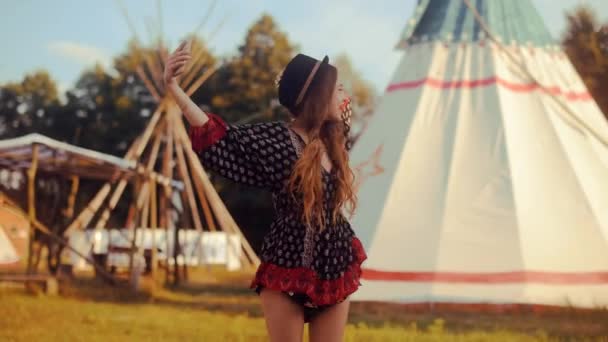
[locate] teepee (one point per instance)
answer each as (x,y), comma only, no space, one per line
(164,148)
(483,174)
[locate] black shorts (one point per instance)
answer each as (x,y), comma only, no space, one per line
(310,310)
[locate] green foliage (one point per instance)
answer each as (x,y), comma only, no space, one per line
(37,87)
(27,106)
(243,89)
(106,113)
(106,110)
(586,44)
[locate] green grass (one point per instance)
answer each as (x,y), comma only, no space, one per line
(88,310)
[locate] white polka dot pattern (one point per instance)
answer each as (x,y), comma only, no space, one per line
(263,155)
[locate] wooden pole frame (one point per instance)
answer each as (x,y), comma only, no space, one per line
(133,153)
(183,170)
(69,210)
(167,171)
(228,224)
(153,208)
(31,207)
(154,228)
(38,225)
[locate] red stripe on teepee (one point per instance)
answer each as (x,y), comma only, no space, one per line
(515,87)
(567,278)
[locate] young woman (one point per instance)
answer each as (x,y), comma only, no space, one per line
(310,258)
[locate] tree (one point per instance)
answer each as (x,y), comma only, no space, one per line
(139,63)
(603,34)
(361,90)
(24,106)
(38,88)
(244,89)
(96,115)
(586,44)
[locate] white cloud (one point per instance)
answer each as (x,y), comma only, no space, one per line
(83,54)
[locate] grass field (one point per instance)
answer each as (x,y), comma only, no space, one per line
(213,311)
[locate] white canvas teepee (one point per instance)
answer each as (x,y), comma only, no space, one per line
(8,254)
(483,174)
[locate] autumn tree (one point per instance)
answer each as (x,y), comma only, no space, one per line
(586,44)
(25,105)
(243,89)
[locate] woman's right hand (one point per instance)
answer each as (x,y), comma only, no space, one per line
(176,63)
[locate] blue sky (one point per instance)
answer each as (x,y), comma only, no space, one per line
(67,36)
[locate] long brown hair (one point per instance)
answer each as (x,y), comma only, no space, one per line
(325,133)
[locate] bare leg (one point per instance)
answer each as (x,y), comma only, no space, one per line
(284,318)
(328,326)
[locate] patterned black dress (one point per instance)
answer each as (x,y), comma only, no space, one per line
(324,266)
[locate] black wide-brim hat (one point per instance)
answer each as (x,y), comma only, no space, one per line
(296,78)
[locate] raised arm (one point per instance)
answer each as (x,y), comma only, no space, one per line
(251,154)
(175,66)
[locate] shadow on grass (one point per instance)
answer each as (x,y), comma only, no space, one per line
(227,298)
(235,298)
(562,322)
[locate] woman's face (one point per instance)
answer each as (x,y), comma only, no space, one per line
(337,98)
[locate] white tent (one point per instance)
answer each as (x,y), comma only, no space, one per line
(62,158)
(483,174)
(8,254)
(198,248)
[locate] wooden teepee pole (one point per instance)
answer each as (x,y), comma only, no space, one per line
(194,86)
(133,227)
(147,82)
(41,227)
(150,164)
(145,207)
(155,70)
(152,201)
(203,22)
(224,217)
(85,216)
(185,146)
(165,200)
(200,191)
(183,170)
(153,227)
(69,210)
(197,59)
(105,215)
(31,206)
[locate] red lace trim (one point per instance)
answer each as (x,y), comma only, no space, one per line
(305,280)
(208,134)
